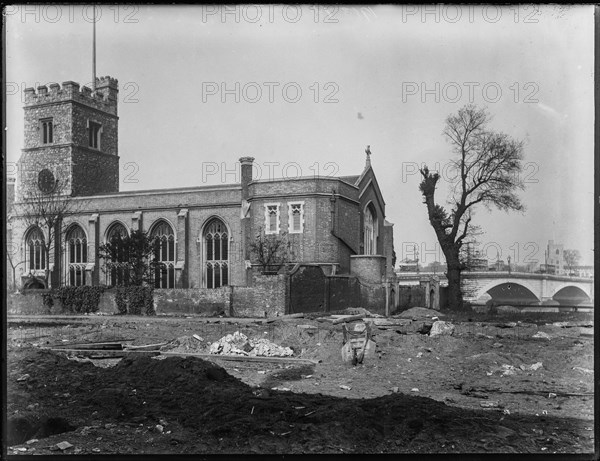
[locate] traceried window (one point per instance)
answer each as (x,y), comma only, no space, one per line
(296,218)
(94,131)
(272,218)
(370,231)
(36,252)
(164,254)
(47,135)
(77,257)
(116,268)
(216,256)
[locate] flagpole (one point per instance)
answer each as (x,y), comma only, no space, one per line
(94,52)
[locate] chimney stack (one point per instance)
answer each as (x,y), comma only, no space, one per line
(246,170)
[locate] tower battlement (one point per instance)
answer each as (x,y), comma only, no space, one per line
(105,97)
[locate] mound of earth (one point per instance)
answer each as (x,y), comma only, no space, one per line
(201,403)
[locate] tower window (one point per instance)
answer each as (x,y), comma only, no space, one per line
(47,135)
(296,217)
(94,130)
(272,218)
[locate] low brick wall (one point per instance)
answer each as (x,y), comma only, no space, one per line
(28,303)
(373,298)
(199,301)
(266,297)
(31,302)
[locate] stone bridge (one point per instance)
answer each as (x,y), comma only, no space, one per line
(527,288)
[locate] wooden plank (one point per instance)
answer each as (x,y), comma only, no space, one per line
(145,347)
(284,317)
(241,358)
(350,318)
(95,346)
(106,353)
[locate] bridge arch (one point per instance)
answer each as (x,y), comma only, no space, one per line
(571,295)
(508,291)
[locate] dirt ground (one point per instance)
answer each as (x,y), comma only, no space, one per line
(479,390)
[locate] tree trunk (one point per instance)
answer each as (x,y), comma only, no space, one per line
(455,297)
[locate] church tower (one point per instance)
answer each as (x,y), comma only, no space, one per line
(71,139)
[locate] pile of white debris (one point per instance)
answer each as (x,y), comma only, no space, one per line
(239,344)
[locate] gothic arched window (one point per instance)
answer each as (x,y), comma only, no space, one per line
(216,255)
(116,267)
(164,254)
(370,231)
(76,244)
(36,251)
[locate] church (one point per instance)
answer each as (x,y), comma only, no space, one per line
(72,138)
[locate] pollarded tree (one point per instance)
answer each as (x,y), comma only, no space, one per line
(488,166)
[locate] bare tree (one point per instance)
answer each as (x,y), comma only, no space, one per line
(270,251)
(46,207)
(488,166)
(571,258)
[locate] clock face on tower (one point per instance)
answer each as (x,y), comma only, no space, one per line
(46,181)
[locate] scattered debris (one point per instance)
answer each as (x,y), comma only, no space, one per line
(481,335)
(281,388)
(347,318)
(441,328)
(583,370)
(490,404)
(419,312)
(508,370)
(24,377)
(239,344)
(64,445)
(541,335)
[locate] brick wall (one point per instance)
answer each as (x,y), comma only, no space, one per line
(371,269)
(30,302)
(267,295)
(193,301)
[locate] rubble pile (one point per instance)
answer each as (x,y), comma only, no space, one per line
(239,344)
(186,344)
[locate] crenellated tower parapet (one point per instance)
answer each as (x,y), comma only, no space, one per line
(72,131)
(105,97)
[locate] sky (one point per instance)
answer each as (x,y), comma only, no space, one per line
(304,90)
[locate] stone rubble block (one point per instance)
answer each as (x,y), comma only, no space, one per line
(239,344)
(441,328)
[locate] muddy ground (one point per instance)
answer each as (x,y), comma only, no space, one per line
(480,390)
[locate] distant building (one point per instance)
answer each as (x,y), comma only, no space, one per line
(583,271)
(409,265)
(435,267)
(554,257)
